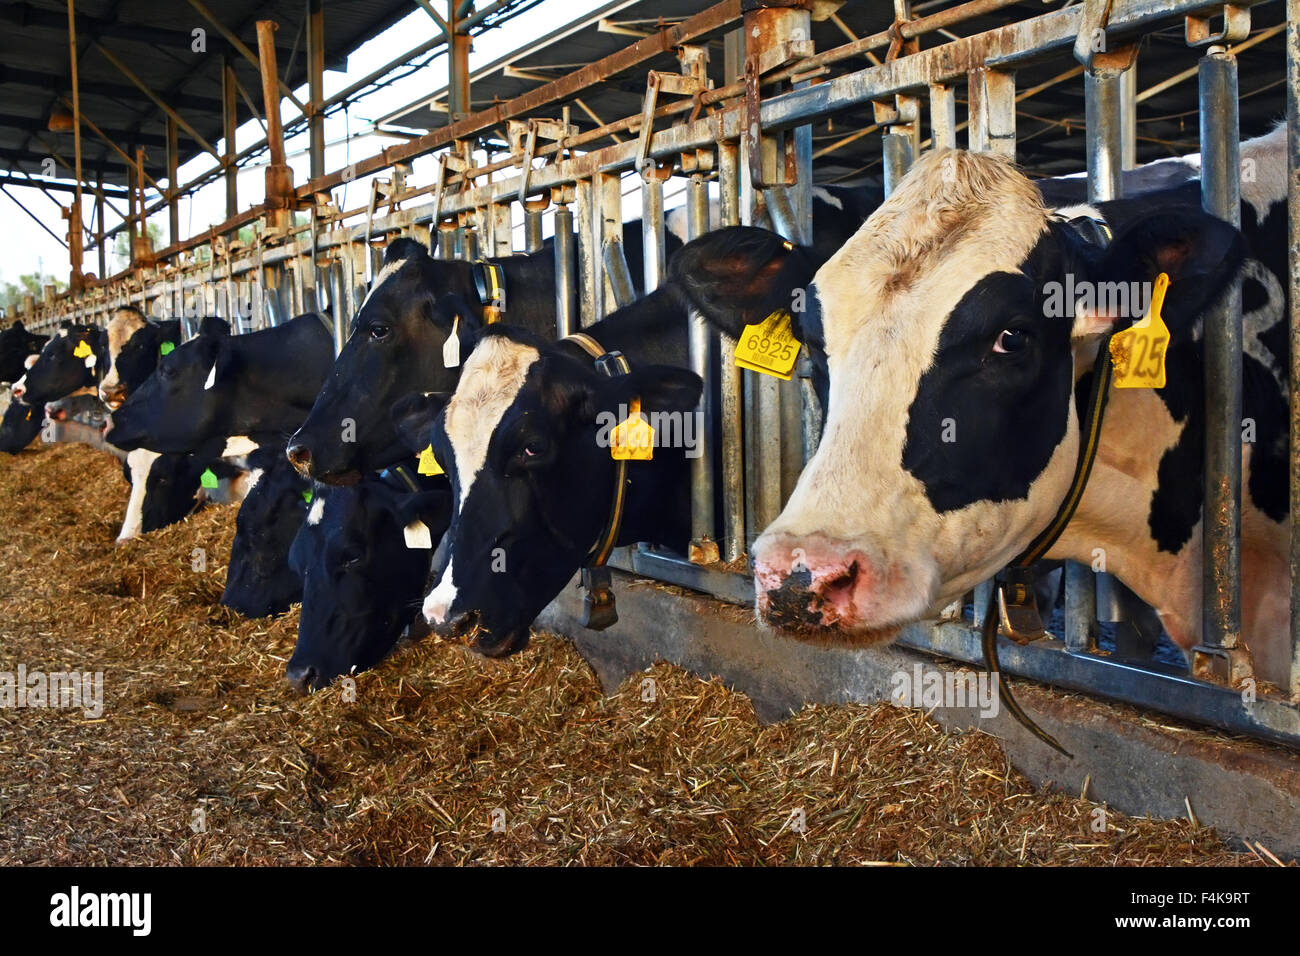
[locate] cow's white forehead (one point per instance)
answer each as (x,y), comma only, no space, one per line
(955,218)
(124,324)
(489,383)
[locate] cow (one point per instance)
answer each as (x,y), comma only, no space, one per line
(525,440)
(259,581)
(363,561)
(16,344)
(134,346)
(956,383)
(71,361)
(398,345)
(19,427)
(222,395)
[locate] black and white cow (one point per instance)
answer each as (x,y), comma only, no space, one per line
(19,427)
(259,581)
(396,347)
(16,345)
(71,361)
(222,395)
(134,346)
(952,430)
(364,561)
(525,441)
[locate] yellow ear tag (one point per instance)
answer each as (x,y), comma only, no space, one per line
(428,465)
(633,439)
(1138,353)
(82,350)
(769,346)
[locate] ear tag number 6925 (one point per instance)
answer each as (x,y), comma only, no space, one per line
(769,346)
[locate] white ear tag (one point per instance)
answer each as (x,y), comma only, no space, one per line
(212,378)
(90,361)
(451,348)
(417,535)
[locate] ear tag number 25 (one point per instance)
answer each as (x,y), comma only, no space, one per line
(1138,353)
(769,346)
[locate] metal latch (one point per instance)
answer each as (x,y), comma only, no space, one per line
(598,607)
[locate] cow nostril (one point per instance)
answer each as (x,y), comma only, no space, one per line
(302,678)
(299,456)
(841,585)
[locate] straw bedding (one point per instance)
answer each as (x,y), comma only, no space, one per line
(440,744)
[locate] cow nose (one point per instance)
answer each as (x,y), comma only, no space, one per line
(112,395)
(18,390)
(804,586)
(299,456)
(302,677)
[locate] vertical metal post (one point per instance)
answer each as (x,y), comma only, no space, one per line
(1128,117)
(75,238)
(458,101)
(607,206)
(654,250)
(703,548)
(447,239)
(99,225)
(1221,196)
(943,116)
(279,175)
(533,209)
(316,85)
(992,110)
(730,386)
(897,153)
(566,278)
(588,253)
(173,186)
(229,123)
(1101,91)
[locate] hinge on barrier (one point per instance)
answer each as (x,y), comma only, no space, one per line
(1236,25)
(763,168)
(523,136)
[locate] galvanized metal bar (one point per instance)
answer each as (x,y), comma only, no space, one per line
(992,96)
(533,210)
(502,229)
(897,152)
(588,252)
(1293,317)
(607,208)
(730,389)
(316,85)
(704,546)
(1101,91)
(1221,196)
(618,276)
(566,273)
(943,115)
(654,250)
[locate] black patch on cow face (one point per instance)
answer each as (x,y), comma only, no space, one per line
(984,425)
(532,514)
(259,581)
(60,371)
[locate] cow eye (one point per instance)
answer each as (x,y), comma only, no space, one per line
(1010,341)
(379,332)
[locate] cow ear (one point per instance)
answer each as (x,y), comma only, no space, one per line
(413,416)
(211,325)
(405,248)
(661,388)
(1199,252)
(18,324)
(169,330)
(432,507)
(739,275)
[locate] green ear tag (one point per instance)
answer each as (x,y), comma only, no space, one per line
(166,348)
(307,496)
(208,479)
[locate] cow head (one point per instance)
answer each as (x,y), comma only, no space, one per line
(19,427)
(951,430)
(180,404)
(69,361)
(16,344)
(134,347)
(532,480)
(361,583)
(395,348)
(259,581)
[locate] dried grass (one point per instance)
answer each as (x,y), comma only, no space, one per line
(197,715)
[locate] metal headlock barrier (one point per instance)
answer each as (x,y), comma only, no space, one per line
(752,137)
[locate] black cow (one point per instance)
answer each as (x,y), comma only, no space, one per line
(525,441)
(363,573)
(19,427)
(72,359)
(397,347)
(259,581)
(16,344)
(218,387)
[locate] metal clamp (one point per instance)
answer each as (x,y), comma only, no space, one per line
(1236,26)
(599,609)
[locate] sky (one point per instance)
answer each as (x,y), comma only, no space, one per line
(25,246)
